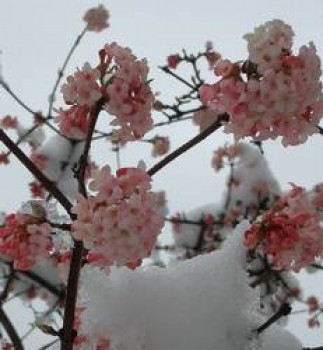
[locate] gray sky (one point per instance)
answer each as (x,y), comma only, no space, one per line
(36,34)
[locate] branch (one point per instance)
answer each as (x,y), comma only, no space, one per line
(284,310)
(87,146)
(43,179)
(61,72)
(186,146)
(185,82)
(67,333)
(38,279)
(10,329)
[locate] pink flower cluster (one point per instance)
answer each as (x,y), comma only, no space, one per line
(96,19)
(274,93)
(74,122)
(129,94)
(82,88)
(8,122)
(82,91)
(25,239)
(160,146)
(290,233)
(119,225)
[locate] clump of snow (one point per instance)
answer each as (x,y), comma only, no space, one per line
(62,156)
(202,303)
(253,179)
(253,182)
(34,138)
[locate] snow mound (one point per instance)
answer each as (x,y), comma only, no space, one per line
(203,303)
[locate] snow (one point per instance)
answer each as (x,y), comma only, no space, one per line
(62,156)
(203,303)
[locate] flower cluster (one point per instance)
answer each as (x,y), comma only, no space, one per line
(8,122)
(119,225)
(274,93)
(160,146)
(82,88)
(25,238)
(129,94)
(81,91)
(74,122)
(96,19)
(290,233)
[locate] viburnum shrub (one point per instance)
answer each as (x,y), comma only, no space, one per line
(88,241)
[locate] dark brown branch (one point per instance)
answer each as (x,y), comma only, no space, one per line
(43,179)
(10,329)
(87,146)
(44,284)
(284,310)
(6,289)
(186,146)
(38,279)
(67,333)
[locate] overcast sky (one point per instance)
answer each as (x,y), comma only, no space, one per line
(36,34)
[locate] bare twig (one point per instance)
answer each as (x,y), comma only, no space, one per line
(61,71)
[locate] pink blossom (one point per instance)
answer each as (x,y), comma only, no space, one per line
(96,18)
(82,88)
(290,233)
(25,239)
(280,95)
(119,225)
(4,159)
(173,61)
(129,94)
(8,122)
(160,146)
(74,122)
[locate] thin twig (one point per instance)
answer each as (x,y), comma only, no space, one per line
(16,98)
(61,71)
(185,82)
